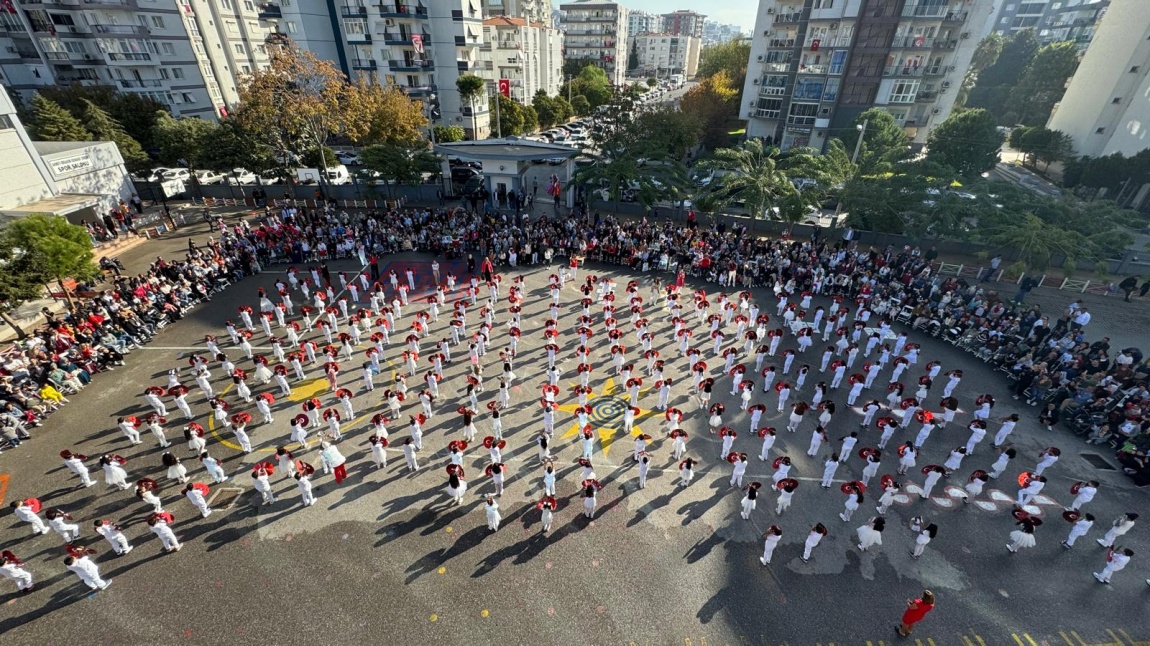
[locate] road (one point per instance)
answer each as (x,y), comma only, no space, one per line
(384,557)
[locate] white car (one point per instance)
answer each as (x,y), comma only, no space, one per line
(206,177)
(347,158)
(242,176)
(177,173)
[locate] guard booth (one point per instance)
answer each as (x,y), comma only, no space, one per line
(505,160)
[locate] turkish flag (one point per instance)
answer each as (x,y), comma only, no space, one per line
(505,87)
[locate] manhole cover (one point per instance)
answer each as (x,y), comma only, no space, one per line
(224,498)
(1097,461)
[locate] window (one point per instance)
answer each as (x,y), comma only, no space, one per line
(1100,131)
(6,122)
(824,4)
(163,73)
(1010,7)
(1134,70)
(232,27)
(903,92)
(158,22)
(808,88)
(198,46)
(831,91)
(177,72)
(249,6)
(187,97)
(168,49)
(226,4)
(1116,100)
(245,69)
(838,61)
(291,27)
(239,47)
(75,47)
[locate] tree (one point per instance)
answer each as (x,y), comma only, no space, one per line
(714,103)
(1042,84)
(471,87)
(633,57)
(884,143)
(104,128)
(21,280)
(997,82)
(136,113)
(53,123)
(581,105)
(392,116)
(300,102)
(730,57)
(572,66)
(61,249)
(180,139)
(593,85)
(230,146)
(985,55)
(652,81)
(398,163)
(751,174)
(1036,241)
(551,110)
(311,158)
(515,118)
(671,132)
(448,134)
(968,141)
(1038,143)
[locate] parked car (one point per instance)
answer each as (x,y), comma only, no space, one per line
(207,177)
(242,176)
(181,174)
(268,179)
(347,158)
(461,174)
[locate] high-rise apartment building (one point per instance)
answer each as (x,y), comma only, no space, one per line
(596,33)
(662,55)
(309,25)
(537,11)
(528,55)
(714,32)
(1052,20)
(186,54)
(1104,109)
(815,65)
(641,22)
(683,22)
(422,47)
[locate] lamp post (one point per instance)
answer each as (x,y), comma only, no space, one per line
(854,162)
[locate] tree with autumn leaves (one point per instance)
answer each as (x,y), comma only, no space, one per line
(300,103)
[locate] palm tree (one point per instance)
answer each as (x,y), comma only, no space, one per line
(1036,241)
(470,87)
(752,174)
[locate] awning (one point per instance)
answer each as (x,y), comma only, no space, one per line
(62,204)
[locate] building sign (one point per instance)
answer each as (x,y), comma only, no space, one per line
(66,165)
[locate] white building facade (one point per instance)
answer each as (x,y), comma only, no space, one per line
(1105,107)
(662,55)
(595,32)
(528,55)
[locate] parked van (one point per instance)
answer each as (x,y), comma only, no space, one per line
(336,175)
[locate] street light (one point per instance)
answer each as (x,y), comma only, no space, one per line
(854,162)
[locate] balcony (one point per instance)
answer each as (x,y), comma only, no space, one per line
(788,18)
(402,38)
(119,58)
(467,110)
(912,42)
(114,4)
(400,10)
(914,10)
(813,69)
(353,37)
(903,70)
(800,124)
(270,12)
(955,16)
(937,70)
(416,90)
(946,44)
(760,113)
(130,30)
(134,84)
(363,64)
(772,91)
(410,66)
(465,65)
(776,67)
(52,56)
(781,43)
(926,97)
(353,11)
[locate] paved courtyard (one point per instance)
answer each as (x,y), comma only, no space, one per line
(383,557)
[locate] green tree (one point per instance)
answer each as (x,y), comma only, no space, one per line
(21,280)
(136,113)
(968,141)
(714,102)
(392,116)
(50,122)
(633,57)
(551,110)
(104,128)
(61,249)
(1038,143)
(652,81)
(985,55)
(581,105)
(471,87)
(669,131)
(751,173)
(997,82)
(884,144)
(730,57)
(398,163)
(311,159)
(1036,241)
(231,145)
(592,84)
(515,118)
(449,134)
(1042,84)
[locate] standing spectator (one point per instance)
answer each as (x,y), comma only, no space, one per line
(1127,286)
(916,610)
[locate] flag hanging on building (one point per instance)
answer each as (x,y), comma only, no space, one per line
(417,43)
(505,87)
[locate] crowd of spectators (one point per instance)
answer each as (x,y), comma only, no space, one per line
(1094,390)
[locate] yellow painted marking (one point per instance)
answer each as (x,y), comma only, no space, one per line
(1065,638)
(930,641)
(978,638)
(485,613)
(1017,639)
(966,641)
(1134,642)
(433,618)
(448,529)
(1029,641)
(442,570)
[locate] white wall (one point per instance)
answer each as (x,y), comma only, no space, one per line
(106,176)
(23,182)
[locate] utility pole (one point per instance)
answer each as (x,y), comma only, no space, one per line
(498,125)
(854,162)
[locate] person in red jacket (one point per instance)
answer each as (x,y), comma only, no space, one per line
(916,610)
(487,269)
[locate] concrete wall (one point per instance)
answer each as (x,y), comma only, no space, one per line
(23,177)
(105,175)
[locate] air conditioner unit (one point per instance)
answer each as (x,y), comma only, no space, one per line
(942,91)
(770,9)
(946,84)
(756,81)
(389,22)
(767,33)
(965,35)
(760,58)
(834,25)
(936,111)
(950,69)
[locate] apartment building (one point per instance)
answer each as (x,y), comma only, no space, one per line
(537,11)
(715,32)
(1104,109)
(423,47)
(308,23)
(815,65)
(596,33)
(186,54)
(683,22)
(642,22)
(662,55)
(1052,20)
(529,56)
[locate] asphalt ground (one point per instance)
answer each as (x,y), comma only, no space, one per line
(384,557)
